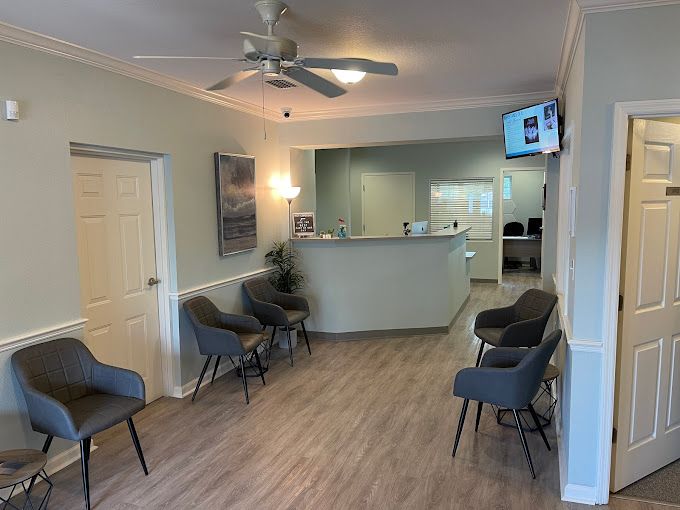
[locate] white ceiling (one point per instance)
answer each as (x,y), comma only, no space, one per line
(446,50)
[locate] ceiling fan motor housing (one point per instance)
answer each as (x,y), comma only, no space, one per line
(271,67)
(270,11)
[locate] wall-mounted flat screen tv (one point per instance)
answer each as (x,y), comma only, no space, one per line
(532,130)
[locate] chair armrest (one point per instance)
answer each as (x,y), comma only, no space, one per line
(486,384)
(240,323)
(527,333)
(218,341)
(503,357)
(495,318)
(48,415)
(269,313)
(117,381)
(292,301)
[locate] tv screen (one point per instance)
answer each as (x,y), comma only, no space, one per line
(531,130)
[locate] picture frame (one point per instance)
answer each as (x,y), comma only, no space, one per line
(236,203)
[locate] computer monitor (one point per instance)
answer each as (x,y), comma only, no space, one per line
(534,227)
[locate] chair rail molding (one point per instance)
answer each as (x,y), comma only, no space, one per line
(209,287)
(40,335)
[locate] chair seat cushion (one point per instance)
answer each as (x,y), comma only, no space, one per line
(295,316)
(97,412)
(490,335)
(250,340)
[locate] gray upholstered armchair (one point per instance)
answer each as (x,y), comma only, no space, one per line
(509,377)
(69,394)
(278,309)
(224,334)
(518,325)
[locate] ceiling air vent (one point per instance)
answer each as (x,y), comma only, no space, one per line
(281,84)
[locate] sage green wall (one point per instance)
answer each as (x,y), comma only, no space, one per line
(527,194)
(482,158)
(332,188)
(64,101)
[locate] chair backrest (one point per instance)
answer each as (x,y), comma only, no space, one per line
(260,289)
(531,369)
(513,228)
(60,368)
(534,303)
(202,311)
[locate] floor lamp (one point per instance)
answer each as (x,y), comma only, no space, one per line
(290,193)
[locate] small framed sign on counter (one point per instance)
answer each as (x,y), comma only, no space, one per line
(303,224)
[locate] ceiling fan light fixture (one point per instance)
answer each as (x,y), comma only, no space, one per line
(347,76)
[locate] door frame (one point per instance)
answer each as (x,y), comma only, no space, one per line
(623,112)
(380,174)
(502,171)
(160,227)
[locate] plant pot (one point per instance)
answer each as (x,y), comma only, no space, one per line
(282,337)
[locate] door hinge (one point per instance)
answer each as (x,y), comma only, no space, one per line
(364,187)
(620,303)
(614,433)
(627,162)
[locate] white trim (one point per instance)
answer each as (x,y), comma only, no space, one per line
(575,23)
(65,458)
(209,287)
(40,335)
(425,106)
(188,388)
(160,227)
(575,493)
(623,111)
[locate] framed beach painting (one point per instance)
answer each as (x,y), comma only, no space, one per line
(236,219)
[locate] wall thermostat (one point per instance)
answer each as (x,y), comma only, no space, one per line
(10,110)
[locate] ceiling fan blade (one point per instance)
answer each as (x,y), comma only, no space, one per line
(233,79)
(178,57)
(351,64)
(314,81)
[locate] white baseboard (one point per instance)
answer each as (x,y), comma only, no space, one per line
(188,388)
(584,494)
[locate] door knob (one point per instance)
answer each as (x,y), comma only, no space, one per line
(153,281)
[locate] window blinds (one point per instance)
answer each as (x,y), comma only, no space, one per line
(469,201)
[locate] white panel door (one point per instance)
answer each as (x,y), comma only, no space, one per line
(387,201)
(648,369)
(116,255)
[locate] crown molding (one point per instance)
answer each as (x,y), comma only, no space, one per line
(44,43)
(575,20)
(424,106)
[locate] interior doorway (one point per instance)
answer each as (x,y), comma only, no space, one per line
(117,258)
(647,383)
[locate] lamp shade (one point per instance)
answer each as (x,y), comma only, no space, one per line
(290,192)
(347,76)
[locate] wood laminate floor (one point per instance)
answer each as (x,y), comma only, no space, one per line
(359,424)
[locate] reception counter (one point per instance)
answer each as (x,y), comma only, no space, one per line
(380,286)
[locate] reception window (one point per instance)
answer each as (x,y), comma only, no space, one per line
(468,201)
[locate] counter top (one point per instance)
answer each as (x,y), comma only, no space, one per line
(447,233)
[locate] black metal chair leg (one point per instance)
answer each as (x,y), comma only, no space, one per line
(200,378)
(304,330)
(84,462)
(217,364)
(479,415)
(479,356)
(138,447)
(259,366)
(290,346)
(523,439)
(243,378)
(539,426)
(461,421)
(45,449)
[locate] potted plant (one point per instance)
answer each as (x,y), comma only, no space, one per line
(287,278)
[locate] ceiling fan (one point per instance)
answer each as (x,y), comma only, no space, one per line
(272,55)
